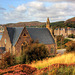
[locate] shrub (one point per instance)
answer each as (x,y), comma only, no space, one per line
(71,36)
(71,47)
(66,71)
(60,41)
(33,52)
(66,40)
(21,59)
(7,60)
(63,70)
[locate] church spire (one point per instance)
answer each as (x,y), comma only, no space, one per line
(48,23)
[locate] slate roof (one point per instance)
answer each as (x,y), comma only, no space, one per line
(14,33)
(17,33)
(11,33)
(41,34)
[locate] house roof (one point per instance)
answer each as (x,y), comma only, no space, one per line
(11,33)
(43,35)
(14,34)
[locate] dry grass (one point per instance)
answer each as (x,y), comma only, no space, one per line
(65,58)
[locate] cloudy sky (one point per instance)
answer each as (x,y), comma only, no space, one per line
(12,11)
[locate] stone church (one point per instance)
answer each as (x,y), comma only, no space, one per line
(14,37)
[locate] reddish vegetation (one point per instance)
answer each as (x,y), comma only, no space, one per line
(70,20)
(68,43)
(22,24)
(24,69)
(51,67)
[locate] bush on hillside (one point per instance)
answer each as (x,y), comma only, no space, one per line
(66,71)
(66,40)
(71,36)
(33,52)
(71,47)
(7,60)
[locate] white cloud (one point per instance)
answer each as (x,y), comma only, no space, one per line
(21,8)
(38,11)
(57,0)
(36,5)
(18,13)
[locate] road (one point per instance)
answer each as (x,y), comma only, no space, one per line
(73,39)
(61,51)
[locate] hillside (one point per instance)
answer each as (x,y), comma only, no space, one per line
(71,20)
(68,23)
(63,59)
(22,24)
(57,24)
(54,69)
(59,65)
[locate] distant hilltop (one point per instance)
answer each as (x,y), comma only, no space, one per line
(22,24)
(71,20)
(68,23)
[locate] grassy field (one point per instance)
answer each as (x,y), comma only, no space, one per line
(65,59)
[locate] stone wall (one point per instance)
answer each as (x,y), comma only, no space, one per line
(21,40)
(5,41)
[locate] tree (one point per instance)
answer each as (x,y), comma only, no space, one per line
(7,60)
(33,52)
(71,36)
(71,47)
(60,41)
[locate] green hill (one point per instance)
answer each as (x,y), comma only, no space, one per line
(70,22)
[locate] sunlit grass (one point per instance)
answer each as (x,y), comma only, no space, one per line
(65,58)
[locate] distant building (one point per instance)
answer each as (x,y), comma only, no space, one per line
(1,29)
(13,38)
(64,31)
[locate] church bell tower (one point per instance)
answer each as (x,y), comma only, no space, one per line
(48,23)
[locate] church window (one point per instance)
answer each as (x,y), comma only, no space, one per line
(52,49)
(5,41)
(24,34)
(24,45)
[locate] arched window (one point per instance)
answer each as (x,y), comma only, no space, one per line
(5,41)
(52,49)
(23,46)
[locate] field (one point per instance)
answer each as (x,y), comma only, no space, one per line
(62,59)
